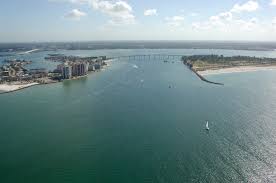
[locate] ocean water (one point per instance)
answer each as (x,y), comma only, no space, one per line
(141,121)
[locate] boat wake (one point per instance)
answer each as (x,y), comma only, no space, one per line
(135,66)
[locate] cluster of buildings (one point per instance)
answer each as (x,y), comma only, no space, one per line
(64,58)
(81,67)
(14,70)
(72,67)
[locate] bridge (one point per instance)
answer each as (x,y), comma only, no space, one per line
(162,57)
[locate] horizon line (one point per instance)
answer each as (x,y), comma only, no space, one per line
(87,41)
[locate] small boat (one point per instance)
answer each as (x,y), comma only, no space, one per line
(207,126)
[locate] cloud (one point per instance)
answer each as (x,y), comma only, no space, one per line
(273,3)
(274,22)
(120,12)
(150,12)
(247,25)
(220,21)
(194,14)
(228,25)
(175,21)
(225,16)
(228,20)
(246,7)
(75,14)
(200,26)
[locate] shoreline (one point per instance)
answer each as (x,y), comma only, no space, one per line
(202,78)
(13,87)
(8,88)
(239,69)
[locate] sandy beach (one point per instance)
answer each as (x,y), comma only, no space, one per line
(5,88)
(237,70)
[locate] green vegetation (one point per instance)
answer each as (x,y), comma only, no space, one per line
(212,62)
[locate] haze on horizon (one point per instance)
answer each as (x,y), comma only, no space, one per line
(88,20)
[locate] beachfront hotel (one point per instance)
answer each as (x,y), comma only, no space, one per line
(72,69)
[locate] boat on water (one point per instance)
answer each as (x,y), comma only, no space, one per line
(207,126)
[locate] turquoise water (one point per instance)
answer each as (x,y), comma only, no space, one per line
(126,125)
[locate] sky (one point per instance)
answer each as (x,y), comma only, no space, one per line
(93,20)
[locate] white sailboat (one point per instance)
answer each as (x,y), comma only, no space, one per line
(207,126)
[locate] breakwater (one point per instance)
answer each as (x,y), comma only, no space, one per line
(204,79)
(201,77)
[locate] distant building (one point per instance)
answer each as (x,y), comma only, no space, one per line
(103,57)
(86,67)
(80,69)
(99,61)
(39,73)
(91,67)
(97,66)
(13,71)
(73,69)
(8,72)
(26,77)
(59,68)
(67,72)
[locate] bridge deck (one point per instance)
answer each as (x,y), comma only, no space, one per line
(149,57)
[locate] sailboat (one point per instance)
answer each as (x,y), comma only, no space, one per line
(207,126)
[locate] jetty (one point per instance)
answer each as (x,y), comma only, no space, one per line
(199,75)
(204,79)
